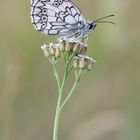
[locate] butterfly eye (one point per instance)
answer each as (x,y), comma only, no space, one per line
(60,1)
(56,4)
(91,26)
(44,18)
(44,11)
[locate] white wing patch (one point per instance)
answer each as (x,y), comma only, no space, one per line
(56,17)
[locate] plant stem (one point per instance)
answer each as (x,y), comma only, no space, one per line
(57,118)
(58,110)
(72,90)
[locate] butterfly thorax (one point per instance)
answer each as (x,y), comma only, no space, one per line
(85,29)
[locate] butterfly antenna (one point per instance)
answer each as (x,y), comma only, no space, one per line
(106,22)
(100,20)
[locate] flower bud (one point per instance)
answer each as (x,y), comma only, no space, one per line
(62,45)
(90,63)
(68,47)
(57,52)
(82,63)
(46,50)
(75,64)
(89,66)
(83,50)
(51,49)
(76,47)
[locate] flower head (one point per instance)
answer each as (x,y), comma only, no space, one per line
(73,46)
(83,62)
(51,50)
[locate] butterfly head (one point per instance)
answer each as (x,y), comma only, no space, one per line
(91,25)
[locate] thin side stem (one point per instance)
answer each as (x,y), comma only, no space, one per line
(57,76)
(72,90)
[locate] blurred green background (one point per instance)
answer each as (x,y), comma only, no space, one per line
(106,106)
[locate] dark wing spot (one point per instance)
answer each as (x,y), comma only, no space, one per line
(56,4)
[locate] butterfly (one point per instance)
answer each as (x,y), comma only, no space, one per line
(60,17)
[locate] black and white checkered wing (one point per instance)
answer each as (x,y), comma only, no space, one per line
(56,17)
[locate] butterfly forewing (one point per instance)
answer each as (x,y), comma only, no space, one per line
(56,17)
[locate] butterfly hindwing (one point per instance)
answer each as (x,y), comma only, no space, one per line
(56,17)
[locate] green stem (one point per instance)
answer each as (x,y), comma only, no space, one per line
(59,107)
(72,90)
(58,110)
(57,76)
(57,118)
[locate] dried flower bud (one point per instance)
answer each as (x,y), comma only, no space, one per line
(57,52)
(76,47)
(68,47)
(89,66)
(46,50)
(83,49)
(52,51)
(79,48)
(75,64)
(62,45)
(82,63)
(62,48)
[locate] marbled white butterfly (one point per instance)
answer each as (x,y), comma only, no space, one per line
(60,17)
